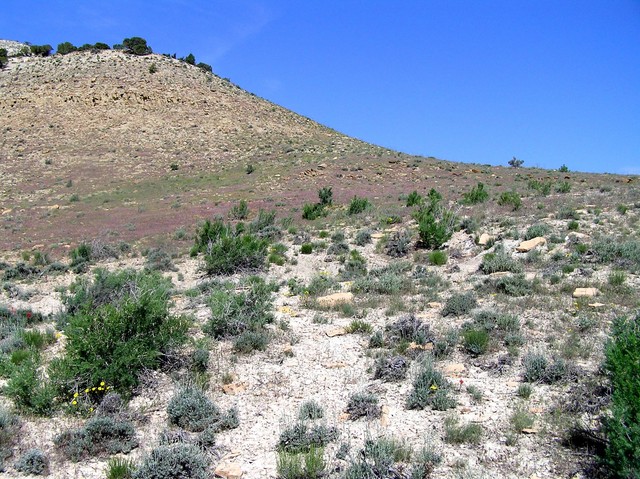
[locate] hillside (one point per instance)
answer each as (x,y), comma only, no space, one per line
(358,313)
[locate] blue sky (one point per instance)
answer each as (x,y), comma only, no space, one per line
(551,82)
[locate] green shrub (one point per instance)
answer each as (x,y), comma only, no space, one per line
(29,390)
(313,211)
(477,195)
(514,285)
(414,199)
(456,433)
(190,409)
(430,389)
(538,368)
(136,46)
(623,254)
(563,187)
(358,205)
(524,390)
(234,313)
(310,410)
(521,419)
(379,459)
(200,360)
(239,211)
(355,266)
(387,283)
(359,326)
(338,249)
(301,438)
(475,341)
(174,461)
(101,436)
(436,224)
(573,225)
(9,426)
(250,341)
(119,325)
(363,404)
(536,230)
(510,198)
(306,248)
(398,245)
(459,303)
(438,257)
(33,461)
(326,196)
(498,262)
(622,427)
(158,260)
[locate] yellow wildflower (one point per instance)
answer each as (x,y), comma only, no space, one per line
(74,402)
(101,383)
(75,395)
(100,389)
(433,387)
(86,390)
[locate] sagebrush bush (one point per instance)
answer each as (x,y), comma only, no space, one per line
(500,262)
(391,368)
(33,461)
(363,404)
(430,389)
(623,254)
(234,313)
(536,230)
(300,437)
(250,341)
(398,245)
(539,368)
(175,461)
(380,458)
(408,328)
(514,285)
(459,303)
(622,427)
(310,410)
(158,260)
(101,436)
(363,237)
(190,409)
(355,266)
(117,331)
(9,426)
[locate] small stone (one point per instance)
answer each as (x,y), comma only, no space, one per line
(421,347)
(384,417)
(484,239)
(335,299)
(597,305)
(499,274)
(585,292)
(229,470)
(530,430)
(513,384)
(233,388)
(527,246)
(322,166)
(377,236)
(336,332)
(434,304)
(454,370)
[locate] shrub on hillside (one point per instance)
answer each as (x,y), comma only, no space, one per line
(436,223)
(477,195)
(174,461)
(65,48)
(510,198)
(136,46)
(358,205)
(430,389)
(190,409)
(622,356)
(33,461)
(100,436)
(498,262)
(459,303)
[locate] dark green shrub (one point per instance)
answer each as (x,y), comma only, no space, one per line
(542,187)
(33,462)
(41,50)
(310,410)
(326,195)
(174,461)
(538,368)
(313,211)
(355,266)
(622,426)
(514,285)
(563,187)
(430,389)
(515,162)
(120,468)
(459,303)
(301,438)
(414,199)
(30,391)
(475,341)
(306,248)
(101,436)
(205,67)
(499,262)
(563,168)
(358,205)
(136,46)
(536,230)
(158,260)
(239,211)
(118,325)
(510,198)
(65,48)
(190,409)
(4,57)
(477,195)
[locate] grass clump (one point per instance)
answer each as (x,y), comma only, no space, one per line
(306,248)
(524,391)
(456,433)
(475,341)
(437,257)
(536,230)
(301,465)
(359,326)
(101,436)
(363,404)
(510,198)
(539,368)
(190,409)
(430,389)
(521,419)
(514,285)
(499,262)
(622,428)
(120,468)
(174,461)
(301,438)
(459,303)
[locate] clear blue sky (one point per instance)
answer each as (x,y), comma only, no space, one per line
(551,82)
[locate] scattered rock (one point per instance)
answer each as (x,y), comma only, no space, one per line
(335,299)
(454,370)
(597,305)
(229,470)
(233,388)
(377,236)
(336,332)
(585,292)
(530,430)
(527,246)
(484,239)
(384,416)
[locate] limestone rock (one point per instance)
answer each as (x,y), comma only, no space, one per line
(454,370)
(233,388)
(585,292)
(336,332)
(484,239)
(527,246)
(229,470)
(335,299)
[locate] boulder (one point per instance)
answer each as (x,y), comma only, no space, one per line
(585,292)
(229,470)
(334,299)
(528,245)
(484,239)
